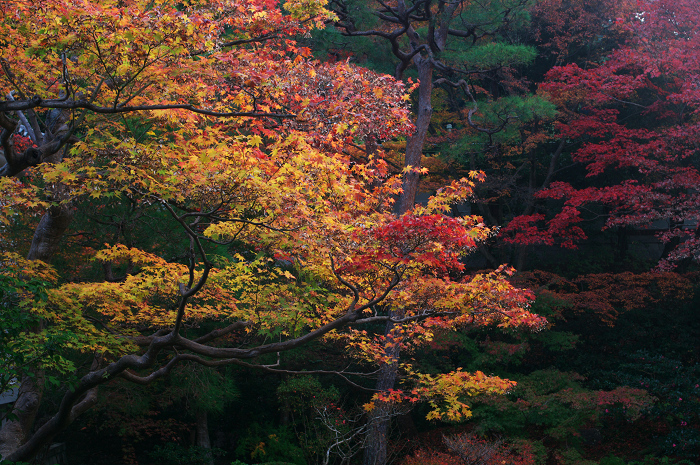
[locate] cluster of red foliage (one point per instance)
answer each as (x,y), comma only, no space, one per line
(22,143)
(609,294)
(635,114)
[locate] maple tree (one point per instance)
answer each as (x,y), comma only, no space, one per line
(526,154)
(211,115)
(449,44)
(635,115)
(582,32)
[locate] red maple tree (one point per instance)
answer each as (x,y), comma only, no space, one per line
(636,117)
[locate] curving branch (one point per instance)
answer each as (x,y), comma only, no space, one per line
(32,128)
(82,397)
(16,163)
(465,87)
(79,399)
(342,374)
(186,292)
(419,317)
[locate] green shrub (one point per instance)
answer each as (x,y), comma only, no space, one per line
(270,445)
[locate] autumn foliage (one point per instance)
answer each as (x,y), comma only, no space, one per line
(642,174)
(210,117)
(188,193)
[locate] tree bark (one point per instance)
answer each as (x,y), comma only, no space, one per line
(414,146)
(15,432)
(202,437)
(46,239)
(49,232)
(379,419)
(375,451)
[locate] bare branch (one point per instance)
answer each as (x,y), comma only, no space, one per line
(341,374)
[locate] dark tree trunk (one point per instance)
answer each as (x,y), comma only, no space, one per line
(375,451)
(414,146)
(202,437)
(15,432)
(379,419)
(44,244)
(622,243)
(49,232)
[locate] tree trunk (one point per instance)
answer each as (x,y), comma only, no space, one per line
(414,145)
(44,244)
(15,432)
(49,232)
(379,419)
(622,248)
(375,451)
(202,437)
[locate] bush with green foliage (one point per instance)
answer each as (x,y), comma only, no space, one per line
(268,443)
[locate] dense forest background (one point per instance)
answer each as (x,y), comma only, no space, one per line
(350,232)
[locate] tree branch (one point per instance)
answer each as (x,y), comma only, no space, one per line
(70,104)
